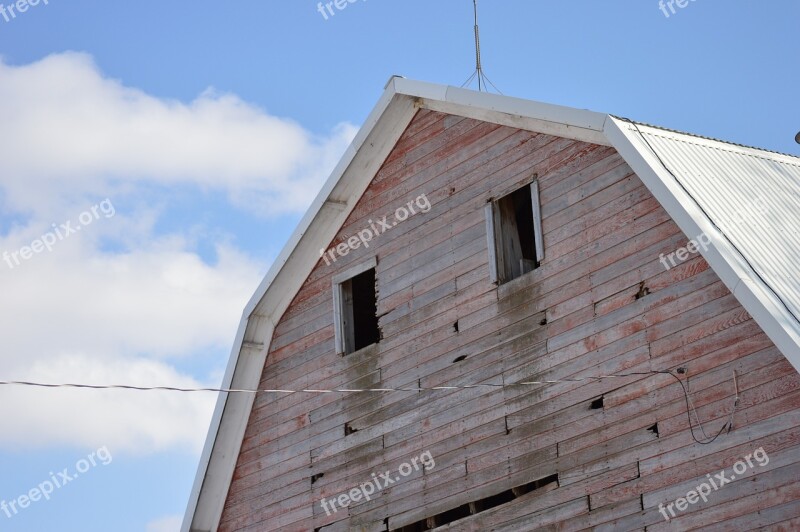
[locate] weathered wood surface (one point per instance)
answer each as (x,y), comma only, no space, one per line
(600,303)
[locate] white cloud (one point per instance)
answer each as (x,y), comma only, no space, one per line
(78,315)
(67,126)
(161,300)
(123,302)
(166,524)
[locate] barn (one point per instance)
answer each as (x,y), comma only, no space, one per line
(500,314)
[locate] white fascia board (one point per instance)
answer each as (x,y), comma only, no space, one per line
(211,439)
(419,89)
(224,441)
(756,298)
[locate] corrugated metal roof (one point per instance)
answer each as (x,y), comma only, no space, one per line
(751,195)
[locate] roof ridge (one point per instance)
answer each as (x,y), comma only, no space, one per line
(713,139)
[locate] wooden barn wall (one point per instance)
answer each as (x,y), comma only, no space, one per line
(601,303)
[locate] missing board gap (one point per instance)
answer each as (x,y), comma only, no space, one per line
(481,505)
(597,404)
(643,291)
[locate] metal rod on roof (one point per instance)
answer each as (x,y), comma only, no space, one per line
(478,68)
(483,81)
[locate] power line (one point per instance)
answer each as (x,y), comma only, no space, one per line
(317,391)
(689,406)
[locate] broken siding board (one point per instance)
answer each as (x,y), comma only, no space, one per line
(491,243)
(431,150)
(597,517)
(763,490)
(439,444)
(666,484)
(537,221)
(594,211)
(682,472)
(613,223)
(582,157)
(435,244)
(552,223)
(767,517)
(762,416)
(610,176)
(435,259)
(474,143)
(699,382)
(364,223)
(542,519)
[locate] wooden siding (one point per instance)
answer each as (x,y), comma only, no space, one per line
(601,303)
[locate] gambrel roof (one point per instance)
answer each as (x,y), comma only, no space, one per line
(701,183)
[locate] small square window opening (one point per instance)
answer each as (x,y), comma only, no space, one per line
(356,310)
(514,233)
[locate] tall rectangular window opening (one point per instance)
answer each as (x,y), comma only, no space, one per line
(356,309)
(514,232)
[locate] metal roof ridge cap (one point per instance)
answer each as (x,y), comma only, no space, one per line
(524,107)
(712,142)
(548,112)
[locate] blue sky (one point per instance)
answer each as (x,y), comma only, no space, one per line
(207,127)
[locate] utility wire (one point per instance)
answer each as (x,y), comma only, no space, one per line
(689,407)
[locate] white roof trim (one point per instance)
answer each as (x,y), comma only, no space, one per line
(338,197)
